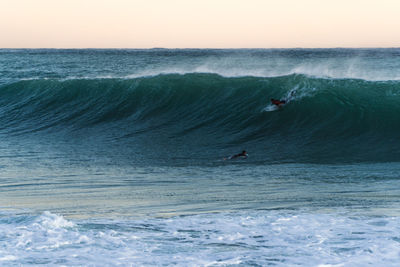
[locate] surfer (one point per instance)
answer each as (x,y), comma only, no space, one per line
(243,155)
(278,103)
(281,103)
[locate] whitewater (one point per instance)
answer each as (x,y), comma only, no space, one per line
(116,157)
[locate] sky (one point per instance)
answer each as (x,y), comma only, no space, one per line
(199,23)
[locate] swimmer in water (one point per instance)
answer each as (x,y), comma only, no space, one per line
(243,155)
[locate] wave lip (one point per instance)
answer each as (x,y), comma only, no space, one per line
(366,64)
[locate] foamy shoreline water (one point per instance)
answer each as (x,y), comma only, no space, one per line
(279,238)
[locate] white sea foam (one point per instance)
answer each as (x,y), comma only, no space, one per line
(270,108)
(348,68)
(351,68)
(252,238)
(372,64)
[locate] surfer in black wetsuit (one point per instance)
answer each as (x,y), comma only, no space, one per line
(243,154)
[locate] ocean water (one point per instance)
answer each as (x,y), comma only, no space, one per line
(116,157)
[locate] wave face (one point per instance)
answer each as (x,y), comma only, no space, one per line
(203,116)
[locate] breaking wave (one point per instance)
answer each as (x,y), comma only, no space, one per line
(324,119)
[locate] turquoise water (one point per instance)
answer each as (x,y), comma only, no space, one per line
(115,157)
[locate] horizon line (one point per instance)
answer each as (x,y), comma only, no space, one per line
(195,48)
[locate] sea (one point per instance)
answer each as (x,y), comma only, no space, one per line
(118,157)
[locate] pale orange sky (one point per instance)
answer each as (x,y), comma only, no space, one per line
(199,23)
